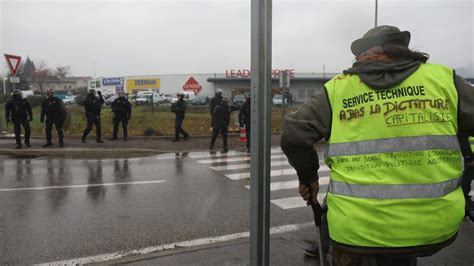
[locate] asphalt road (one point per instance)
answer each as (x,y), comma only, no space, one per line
(60,209)
(57,209)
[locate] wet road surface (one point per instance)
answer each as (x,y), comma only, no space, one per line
(59,209)
(56,209)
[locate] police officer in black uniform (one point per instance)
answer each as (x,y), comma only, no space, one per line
(55,113)
(244,119)
(122,110)
(18,111)
(221,119)
(93,106)
(179,108)
(216,100)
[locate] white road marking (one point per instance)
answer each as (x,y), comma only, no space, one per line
(274,186)
(208,154)
(236,159)
(245,166)
(294,202)
(189,243)
(83,186)
(280,172)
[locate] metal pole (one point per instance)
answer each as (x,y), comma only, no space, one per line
(4,87)
(376,11)
(260,87)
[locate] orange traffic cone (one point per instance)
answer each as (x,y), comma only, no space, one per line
(243,135)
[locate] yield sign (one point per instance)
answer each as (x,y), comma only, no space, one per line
(13,62)
(192,85)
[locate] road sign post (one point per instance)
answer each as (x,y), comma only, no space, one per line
(260,130)
(13,62)
(285,77)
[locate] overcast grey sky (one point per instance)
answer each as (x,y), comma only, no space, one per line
(210,36)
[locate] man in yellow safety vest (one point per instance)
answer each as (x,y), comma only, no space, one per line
(391,123)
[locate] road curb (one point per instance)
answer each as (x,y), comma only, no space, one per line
(80,153)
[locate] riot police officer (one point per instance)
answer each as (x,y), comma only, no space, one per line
(179,108)
(122,112)
(18,111)
(244,119)
(216,100)
(93,106)
(221,119)
(55,113)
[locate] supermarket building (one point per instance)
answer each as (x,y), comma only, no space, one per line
(232,82)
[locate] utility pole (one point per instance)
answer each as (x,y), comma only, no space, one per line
(376,11)
(260,130)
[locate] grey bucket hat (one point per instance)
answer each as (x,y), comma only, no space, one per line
(380,36)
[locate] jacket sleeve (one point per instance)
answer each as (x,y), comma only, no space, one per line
(43,110)
(465,105)
(8,110)
(28,108)
(301,130)
(129,110)
(101,99)
(241,115)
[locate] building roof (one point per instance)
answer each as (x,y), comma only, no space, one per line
(273,79)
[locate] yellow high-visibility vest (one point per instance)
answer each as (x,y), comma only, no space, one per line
(395,161)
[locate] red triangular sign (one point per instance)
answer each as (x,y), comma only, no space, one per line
(13,62)
(192,85)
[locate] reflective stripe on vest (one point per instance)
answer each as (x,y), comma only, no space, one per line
(400,144)
(471,142)
(397,191)
(395,161)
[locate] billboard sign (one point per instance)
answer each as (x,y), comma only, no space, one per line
(112,81)
(142,84)
(192,85)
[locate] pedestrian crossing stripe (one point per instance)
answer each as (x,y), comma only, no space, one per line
(279,172)
(293,184)
(236,159)
(210,154)
(246,166)
(294,202)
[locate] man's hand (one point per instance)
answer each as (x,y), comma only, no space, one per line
(30,118)
(98,92)
(309,193)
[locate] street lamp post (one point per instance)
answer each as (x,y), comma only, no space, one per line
(260,130)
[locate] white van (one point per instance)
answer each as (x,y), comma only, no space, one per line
(144,97)
(188,96)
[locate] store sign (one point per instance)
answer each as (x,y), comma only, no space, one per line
(245,73)
(143,84)
(112,81)
(192,85)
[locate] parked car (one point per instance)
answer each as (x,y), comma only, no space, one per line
(278,99)
(70,99)
(189,96)
(201,100)
(109,100)
(143,99)
(238,100)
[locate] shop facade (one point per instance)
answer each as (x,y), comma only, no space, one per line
(232,82)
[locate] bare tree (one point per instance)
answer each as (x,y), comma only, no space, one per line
(40,75)
(62,71)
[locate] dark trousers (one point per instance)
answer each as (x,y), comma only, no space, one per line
(344,258)
(222,130)
(91,121)
(59,128)
(247,130)
(467,178)
(17,124)
(117,120)
(178,129)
